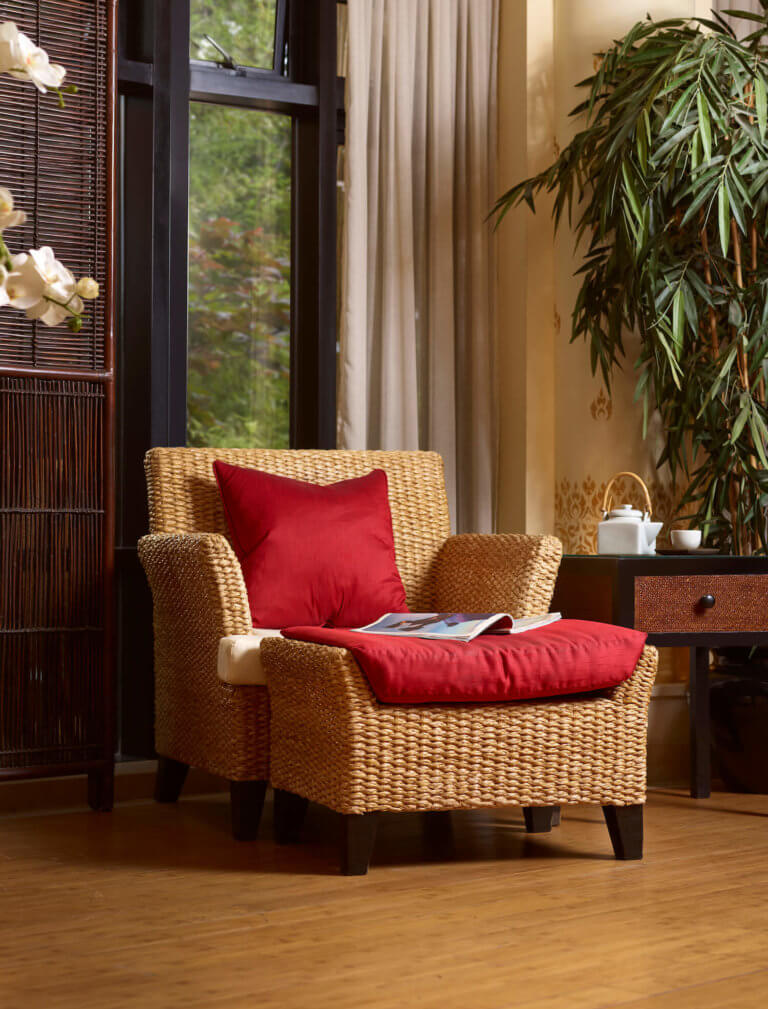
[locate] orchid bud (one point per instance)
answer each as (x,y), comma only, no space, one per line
(87,288)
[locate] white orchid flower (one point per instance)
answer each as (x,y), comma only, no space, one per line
(4,299)
(22,59)
(9,217)
(24,285)
(43,286)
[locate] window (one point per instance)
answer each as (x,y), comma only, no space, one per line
(238,341)
(244,29)
(239,277)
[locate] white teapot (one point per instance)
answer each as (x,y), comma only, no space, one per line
(625,530)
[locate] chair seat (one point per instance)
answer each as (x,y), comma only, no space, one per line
(239,659)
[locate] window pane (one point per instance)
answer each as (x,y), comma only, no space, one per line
(239,277)
(244,28)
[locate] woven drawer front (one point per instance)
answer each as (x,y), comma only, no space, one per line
(673,604)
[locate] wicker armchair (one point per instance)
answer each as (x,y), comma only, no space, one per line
(331,741)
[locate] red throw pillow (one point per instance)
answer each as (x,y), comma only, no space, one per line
(311,554)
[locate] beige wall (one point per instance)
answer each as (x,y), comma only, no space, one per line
(561,438)
(525,263)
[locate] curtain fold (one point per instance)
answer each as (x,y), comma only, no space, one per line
(416,365)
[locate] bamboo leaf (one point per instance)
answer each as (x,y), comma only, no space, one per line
(642,148)
(674,141)
(738,424)
(723,217)
(678,317)
(695,151)
(734,206)
(629,188)
(746,15)
(758,436)
(705,127)
(761,105)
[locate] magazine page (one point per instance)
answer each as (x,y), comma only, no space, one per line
(445,626)
(520,624)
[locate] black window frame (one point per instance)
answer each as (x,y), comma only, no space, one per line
(157,80)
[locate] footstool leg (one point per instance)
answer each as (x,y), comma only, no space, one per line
(246,799)
(625,825)
(289,813)
(539,819)
(556,816)
(171,775)
(357,843)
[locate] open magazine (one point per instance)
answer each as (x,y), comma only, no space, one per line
(454,626)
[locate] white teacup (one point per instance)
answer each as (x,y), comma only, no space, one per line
(686,539)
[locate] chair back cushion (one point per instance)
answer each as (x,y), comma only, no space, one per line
(183,497)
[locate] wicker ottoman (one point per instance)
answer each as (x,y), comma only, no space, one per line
(333,743)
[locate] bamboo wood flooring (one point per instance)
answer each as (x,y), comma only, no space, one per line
(156,907)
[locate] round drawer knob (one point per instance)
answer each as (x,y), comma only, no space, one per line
(707,602)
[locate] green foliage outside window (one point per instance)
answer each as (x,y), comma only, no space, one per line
(239,277)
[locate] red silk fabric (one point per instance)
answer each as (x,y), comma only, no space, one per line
(312,554)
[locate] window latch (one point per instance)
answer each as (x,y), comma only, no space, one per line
(226,60)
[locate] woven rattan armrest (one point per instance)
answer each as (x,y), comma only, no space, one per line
(502,573)
(197,585)
(199,597)
(334,743)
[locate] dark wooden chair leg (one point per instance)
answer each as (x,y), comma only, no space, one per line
(101,789)
(698,711)
(169,782)
(625,825)
(556,817)
(538,819)
(246,802)
(357,843)
(289,812)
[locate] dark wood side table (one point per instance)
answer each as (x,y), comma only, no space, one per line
(699,601)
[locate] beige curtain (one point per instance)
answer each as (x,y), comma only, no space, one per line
(416,362)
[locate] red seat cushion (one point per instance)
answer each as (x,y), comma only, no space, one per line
(312,554)
(567,657)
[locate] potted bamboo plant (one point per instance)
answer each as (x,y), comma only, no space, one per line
(666,187)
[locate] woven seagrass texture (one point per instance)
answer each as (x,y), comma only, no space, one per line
(183,496)
(497,574)
(333,743)
(199,597)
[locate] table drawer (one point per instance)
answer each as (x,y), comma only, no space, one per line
(670,604)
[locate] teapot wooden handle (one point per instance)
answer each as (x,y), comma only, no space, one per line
(608,499)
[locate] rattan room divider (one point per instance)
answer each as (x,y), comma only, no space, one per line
(57,413)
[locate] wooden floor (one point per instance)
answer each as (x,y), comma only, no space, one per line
(155,907)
